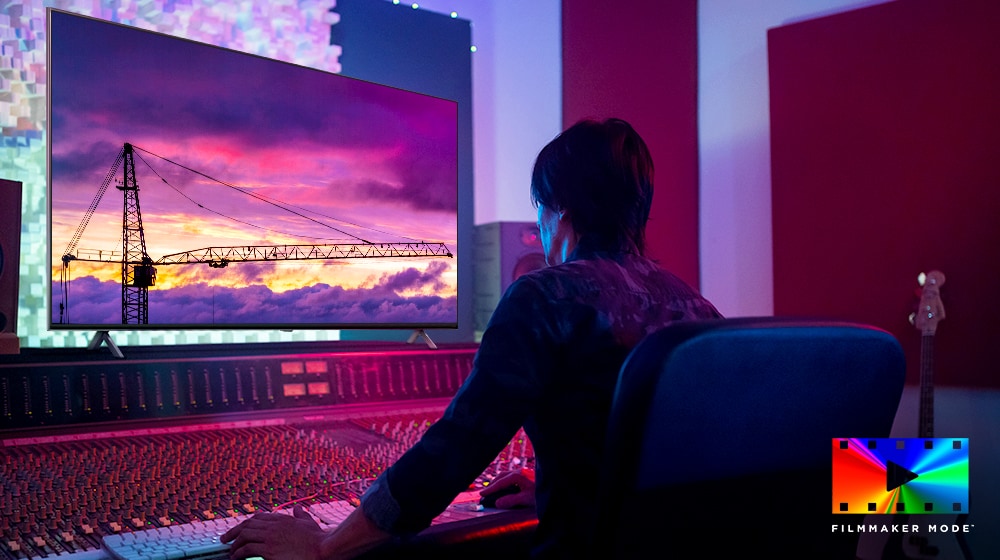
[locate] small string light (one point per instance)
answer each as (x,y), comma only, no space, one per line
(416,6)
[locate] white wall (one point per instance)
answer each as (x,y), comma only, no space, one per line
(517,96)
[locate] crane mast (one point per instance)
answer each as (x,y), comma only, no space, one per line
(138,273)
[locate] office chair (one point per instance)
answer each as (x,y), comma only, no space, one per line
(719,441)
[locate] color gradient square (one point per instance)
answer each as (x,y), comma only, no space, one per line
(900,475)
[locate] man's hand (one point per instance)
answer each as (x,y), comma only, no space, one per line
(276,536)
(523,479)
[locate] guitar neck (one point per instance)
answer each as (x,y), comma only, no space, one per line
(926,427)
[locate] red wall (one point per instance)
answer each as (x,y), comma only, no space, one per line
(637,60)
(885,131)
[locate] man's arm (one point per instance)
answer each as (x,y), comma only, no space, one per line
(354,536)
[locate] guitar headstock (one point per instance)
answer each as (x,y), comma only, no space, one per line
(930,310)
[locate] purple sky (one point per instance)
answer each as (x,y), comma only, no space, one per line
(350,160)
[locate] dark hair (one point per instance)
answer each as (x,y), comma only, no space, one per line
(601,173)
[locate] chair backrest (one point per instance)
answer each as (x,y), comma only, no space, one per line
(727,425)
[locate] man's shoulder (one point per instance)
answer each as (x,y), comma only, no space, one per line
(602,272)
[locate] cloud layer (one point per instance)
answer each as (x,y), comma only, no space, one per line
(402,298)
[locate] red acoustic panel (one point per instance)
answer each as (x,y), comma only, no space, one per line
(884,133)
(638,60)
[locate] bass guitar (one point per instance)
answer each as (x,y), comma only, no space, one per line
(922,545)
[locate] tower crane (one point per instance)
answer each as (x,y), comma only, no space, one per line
(138,270)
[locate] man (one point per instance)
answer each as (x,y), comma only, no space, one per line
(548,361)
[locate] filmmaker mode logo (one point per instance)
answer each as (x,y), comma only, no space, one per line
(901,475)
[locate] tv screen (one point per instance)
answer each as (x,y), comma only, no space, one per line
(191,186)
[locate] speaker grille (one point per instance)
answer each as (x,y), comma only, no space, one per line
(10,241)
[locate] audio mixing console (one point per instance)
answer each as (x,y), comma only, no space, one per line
(95,448)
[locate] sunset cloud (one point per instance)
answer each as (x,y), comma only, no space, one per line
(386,302)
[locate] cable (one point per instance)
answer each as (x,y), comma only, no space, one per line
(295,501)
(216,212)
(283,205)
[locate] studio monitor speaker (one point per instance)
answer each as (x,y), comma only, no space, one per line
(10,248)
(504,251)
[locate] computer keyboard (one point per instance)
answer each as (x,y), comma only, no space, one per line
(200,540)
(190,540)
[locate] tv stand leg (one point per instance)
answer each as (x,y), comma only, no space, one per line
(102,337)
(421,333)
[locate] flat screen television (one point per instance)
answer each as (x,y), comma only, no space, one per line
(195,187)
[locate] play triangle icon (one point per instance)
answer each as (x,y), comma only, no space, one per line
(896,476)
